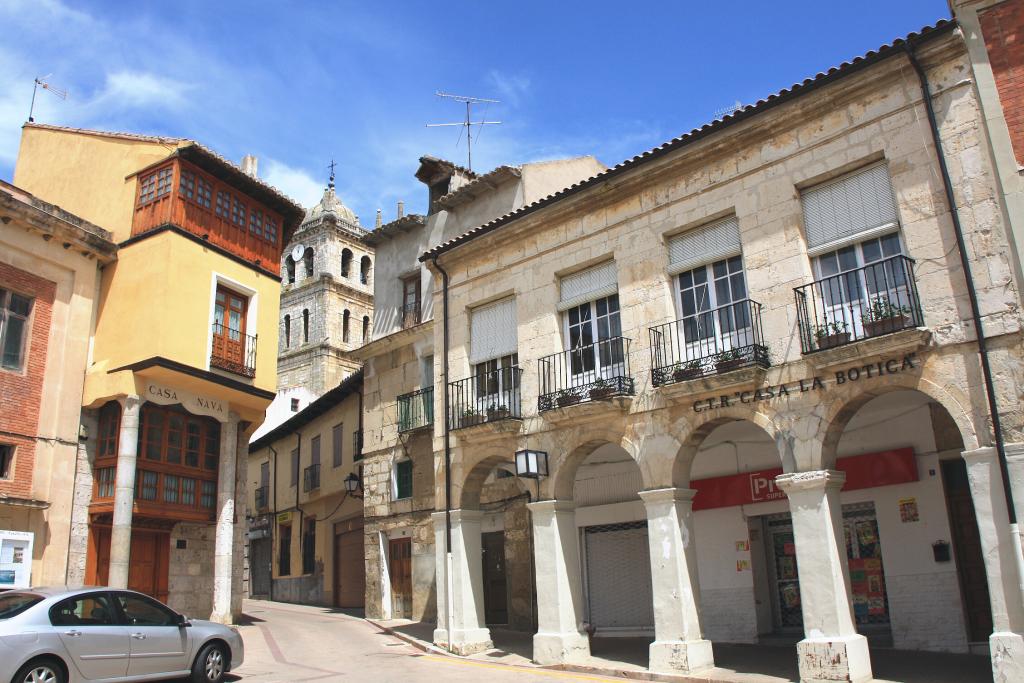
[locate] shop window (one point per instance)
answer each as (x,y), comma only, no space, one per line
(223,208)
(403,479)
(336,454)
(344,326)
(109,430)
(284,550)
(309,547)
(346,262)
(6,459)
(204,193)
(14,314)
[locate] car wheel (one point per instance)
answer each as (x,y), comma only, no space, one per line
(210,665)
(44,670)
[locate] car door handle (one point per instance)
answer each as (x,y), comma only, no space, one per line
(139,636)
(73,633)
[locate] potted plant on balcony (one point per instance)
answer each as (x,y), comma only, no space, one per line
(729,360)
(601,389)
(831,334)
(691,369)
(883,317)
(470,417)
(567,397)
(497,412)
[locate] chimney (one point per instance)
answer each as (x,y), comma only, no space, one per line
(401,208)
(249,164)
(379,222)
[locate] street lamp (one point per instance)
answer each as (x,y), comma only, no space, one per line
(352,485)
(531,464)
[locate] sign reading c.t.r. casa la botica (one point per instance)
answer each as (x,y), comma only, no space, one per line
(889,366)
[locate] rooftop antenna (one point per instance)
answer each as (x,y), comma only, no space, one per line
(41,81)
(468,123)
(725,111)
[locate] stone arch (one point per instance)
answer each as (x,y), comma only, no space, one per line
(289,269)
(346,262)
(366,328)
(364,270)
(287,330)
(466,492)
(307,261)
(564,462)
(839,414)
(305,325)
(345,325)
(694,432)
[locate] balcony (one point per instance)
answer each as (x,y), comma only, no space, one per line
(708,343)
(416,410)
(357,445)
(878,299)
(487,397)
(263,497)
(593,372)
(233,351)
(411,315)
(170,493)
(311,478)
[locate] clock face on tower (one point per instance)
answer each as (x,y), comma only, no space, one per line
(297,251)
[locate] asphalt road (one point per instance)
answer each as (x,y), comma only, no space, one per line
(292,643)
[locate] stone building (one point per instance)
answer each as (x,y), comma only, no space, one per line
(400,433)
(50,266)
(751,358)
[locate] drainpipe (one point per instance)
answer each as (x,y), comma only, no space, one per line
(447,459)
(298,482)
(993,408)
(273,516)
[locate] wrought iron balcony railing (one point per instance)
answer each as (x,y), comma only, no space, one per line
(587,373)
(708,343)
(416,410)
(486,397)
(357,445)
(262,497)
(411,314)
(233,351)
(311,478)
(857,304)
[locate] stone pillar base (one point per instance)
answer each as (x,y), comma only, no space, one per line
(678,656)
(561,648)
(223,618)
(1007,650)
(825,660)
(464,642)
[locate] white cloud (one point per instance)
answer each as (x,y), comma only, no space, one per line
(141,89)
(511,88)
(294,182)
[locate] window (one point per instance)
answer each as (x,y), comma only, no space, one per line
(307,261)
(493,352)
(346,262)
(305,325)
(208,495)
(438,190)
(188,491)
(496,380)
(13,604)
(295,405)
(289,266)
(171,487)
(270,229)
(411,301)
(309,547)
(284,550)
(14,314)
(105,482)
(593,335)
(364,270)
(146,485)
(336,437)
(256,222)
(93,609)
(6,458)
(173,436)
(403,479)
(229,342)
(155,185)
(187,185)
(223,208)
(366,328)
(163,181)
(141,611)
(147,189)
(295,467)
(344,326)
(709,323)
(850,283)
(204,193)
(287,331)
(314,450)
(238,213)
(109,430)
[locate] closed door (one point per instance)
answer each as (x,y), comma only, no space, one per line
(229,325)
(89,629)
(400,569)
(148,564)
(495,581)
(349,572)
(157,643)
(260,557)
(967,549)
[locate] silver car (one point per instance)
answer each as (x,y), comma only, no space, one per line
(67,635)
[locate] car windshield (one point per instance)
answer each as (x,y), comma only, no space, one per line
(13,604)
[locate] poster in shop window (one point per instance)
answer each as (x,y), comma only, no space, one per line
(867,581)
(16,559)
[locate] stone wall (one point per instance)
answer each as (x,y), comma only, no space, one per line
(190,572)
(79,549)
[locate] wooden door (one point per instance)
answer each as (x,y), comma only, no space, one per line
(229,326)
(349,571)
(260,559)
(970,565)
(400,569)
(495,581)
(97,563)
(148,563)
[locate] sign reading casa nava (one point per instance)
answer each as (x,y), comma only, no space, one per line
(889,366)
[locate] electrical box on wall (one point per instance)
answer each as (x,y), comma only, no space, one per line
(16,559)
(940,549)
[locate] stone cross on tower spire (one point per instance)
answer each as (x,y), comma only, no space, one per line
(330,183)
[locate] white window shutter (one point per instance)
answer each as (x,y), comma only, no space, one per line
(854,204)
(704,245)
(588,285)
(493,331)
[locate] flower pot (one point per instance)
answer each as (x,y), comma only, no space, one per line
(875,328)
(731,364)
(470,420)
(497,414)
(601,393)
(564,401)
(830,340)
(684,374)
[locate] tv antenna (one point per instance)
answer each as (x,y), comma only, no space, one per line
(468,123)
(725,111)
(41,81)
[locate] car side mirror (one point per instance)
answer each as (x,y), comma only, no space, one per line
(183,621)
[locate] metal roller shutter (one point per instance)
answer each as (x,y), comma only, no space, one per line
(703,245)
(619,594)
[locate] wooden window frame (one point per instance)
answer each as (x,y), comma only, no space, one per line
(6,314)
(284,549)
(6,461)
(337,439)
(401,464)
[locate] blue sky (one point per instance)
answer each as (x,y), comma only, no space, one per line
(297,83)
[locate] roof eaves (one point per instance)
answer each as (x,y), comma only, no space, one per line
(395,227)
(785,95)
(484,183)
(312,411)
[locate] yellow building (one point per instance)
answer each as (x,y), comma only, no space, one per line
(183,356)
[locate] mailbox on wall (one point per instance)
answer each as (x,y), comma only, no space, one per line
(16,559)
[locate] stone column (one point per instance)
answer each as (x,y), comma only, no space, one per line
(679,645)
(469,634)
(224,539)
(999,550)
(560,638)
(831,649)
(124,492)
